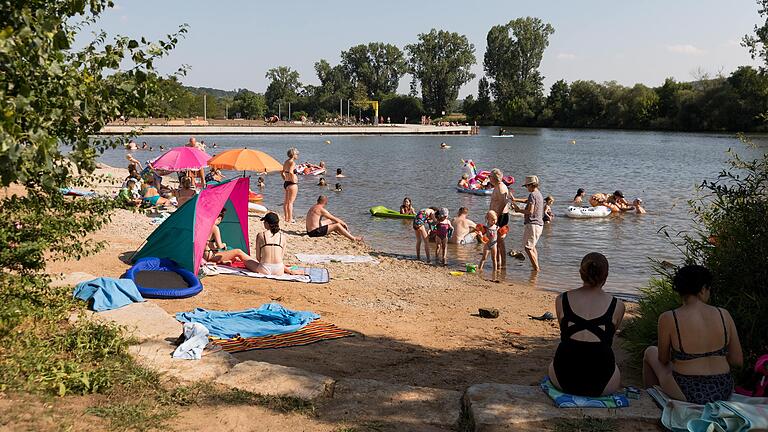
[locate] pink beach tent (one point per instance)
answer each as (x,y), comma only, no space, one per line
(183,235)
(182,159)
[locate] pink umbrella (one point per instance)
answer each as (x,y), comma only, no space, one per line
(182,159)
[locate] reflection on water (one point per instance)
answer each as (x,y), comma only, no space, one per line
(662,168)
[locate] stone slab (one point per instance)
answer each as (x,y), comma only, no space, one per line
(156,355)
(144,321)
(276,380)
(71,279)
(499,407)
(404,407)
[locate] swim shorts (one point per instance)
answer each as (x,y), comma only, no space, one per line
(320,231)
(152,200)
(286,184)
(503,220)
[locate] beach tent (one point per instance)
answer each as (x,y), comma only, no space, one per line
(183,236)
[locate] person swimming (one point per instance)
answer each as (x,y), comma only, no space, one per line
(337,188)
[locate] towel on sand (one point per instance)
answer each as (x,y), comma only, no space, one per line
(564,400)
(346,259)
(741,413)
(268,319)
(313,275)
(108,293)
(195,340)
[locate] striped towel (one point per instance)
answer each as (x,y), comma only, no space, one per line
(315,331)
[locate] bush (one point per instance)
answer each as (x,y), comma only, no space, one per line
(731,239)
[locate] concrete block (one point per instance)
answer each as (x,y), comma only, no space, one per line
(156,354)
(144,321)
(276,380)
(499,407)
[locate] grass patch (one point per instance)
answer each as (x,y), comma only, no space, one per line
(586,424)
(140,416)
(210,394)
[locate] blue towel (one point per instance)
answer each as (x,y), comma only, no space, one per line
(564,400)
(108,293)
(268,319)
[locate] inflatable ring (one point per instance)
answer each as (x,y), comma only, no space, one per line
(165,265)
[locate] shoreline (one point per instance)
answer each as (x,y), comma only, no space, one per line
(205,129)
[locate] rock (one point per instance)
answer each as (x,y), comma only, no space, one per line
(144,321)
(156,354)
(405,407)
(498,407)
(276,380)
(72,279)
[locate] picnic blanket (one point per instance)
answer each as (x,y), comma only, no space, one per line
(268,319)
(565,400)
(108,293)
(312,274)
(315,331)
(346,259)
(740,413)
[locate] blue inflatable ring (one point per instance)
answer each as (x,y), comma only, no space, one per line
(161,264)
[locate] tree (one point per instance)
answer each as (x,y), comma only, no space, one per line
(758,43)
(378,66)
(641,107)
(333,80)
(400,107)
(441,62)
(283,87)
(249,105)
(53,99)
(587,104)
(559,103)
(512,60)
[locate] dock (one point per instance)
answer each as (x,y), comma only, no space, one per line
(288,129)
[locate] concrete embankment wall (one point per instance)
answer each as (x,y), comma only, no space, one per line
(288,130)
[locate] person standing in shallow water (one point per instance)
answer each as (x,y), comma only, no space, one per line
(500,205)
(290,183)
(534,219)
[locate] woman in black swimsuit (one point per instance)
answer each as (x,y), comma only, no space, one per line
(698,344)
(270,248)
(584,362)
(290,183)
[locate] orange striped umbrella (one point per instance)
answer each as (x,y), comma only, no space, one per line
(245,160)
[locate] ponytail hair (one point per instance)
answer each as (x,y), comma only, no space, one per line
(594,269)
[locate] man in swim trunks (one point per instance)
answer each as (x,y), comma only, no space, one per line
(316,227)
(499,204)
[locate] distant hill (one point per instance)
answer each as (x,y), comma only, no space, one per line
(212,91)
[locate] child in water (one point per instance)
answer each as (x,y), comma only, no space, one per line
(260,183)
(464,182)
(407,207)
(338,173)
(322,182)
(491,234)
(638,204)
(443,232)
(549,216)
(422,224)
(338,187)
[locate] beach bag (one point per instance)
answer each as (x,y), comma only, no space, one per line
(758,383)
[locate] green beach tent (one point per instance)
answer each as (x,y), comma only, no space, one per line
(183,236)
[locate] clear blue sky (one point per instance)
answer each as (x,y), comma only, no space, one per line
(231,44)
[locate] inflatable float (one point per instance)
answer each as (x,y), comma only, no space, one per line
(381,211)
(502,136)
(477,178)
(256,208)
(482,230)
(149,271)
(587,212)
(481,192)
(309,169)
(254,196)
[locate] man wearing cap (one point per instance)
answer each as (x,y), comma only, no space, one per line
(534,219)
(618,199)
(317,228)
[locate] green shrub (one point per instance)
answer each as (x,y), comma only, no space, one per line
(731,239)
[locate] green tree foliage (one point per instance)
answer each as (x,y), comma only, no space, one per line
(284,87)
(758,43)
(53,99)
(512,61)
(482,110)
(248,105)
(400,107)
(334,80)
(559,103)
(731,239)
(441,63)
(378,66)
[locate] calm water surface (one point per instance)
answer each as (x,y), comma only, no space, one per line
(661,168)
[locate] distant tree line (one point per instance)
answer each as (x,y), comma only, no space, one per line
(510,93)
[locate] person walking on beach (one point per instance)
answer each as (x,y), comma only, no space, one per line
(534,219)
(500,205)
(290,183)
(316,227)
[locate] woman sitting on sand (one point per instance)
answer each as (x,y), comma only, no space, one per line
(216,250)
(584,362)
(185,192)
(270,248)
(699,369)
(149,194)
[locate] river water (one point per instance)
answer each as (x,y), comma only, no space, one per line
(660,167)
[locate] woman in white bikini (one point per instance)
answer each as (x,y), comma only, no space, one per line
(270,247)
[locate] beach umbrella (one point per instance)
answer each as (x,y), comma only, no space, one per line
(182,159)
(245,160)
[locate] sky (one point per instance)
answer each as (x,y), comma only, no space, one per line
(231,44)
